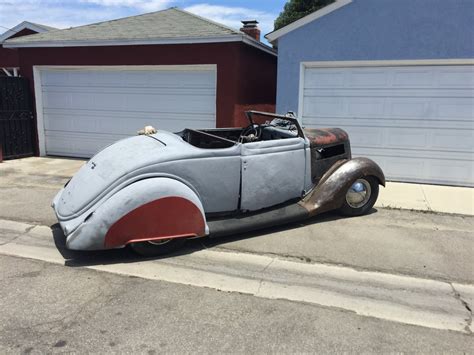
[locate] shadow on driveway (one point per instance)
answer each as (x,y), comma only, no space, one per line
(126,255)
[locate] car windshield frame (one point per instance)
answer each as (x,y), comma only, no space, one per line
(288,117)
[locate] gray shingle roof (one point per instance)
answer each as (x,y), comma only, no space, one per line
(47,28)
(169,24)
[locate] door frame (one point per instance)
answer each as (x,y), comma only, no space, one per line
(39,94)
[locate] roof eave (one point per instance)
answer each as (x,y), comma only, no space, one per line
(272,37)
(118,42)
(132,42)
(259,45)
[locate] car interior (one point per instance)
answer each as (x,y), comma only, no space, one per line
(225,138)
(278,128)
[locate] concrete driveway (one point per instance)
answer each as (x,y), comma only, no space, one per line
(28,186)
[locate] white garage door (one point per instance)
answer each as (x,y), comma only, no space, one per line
(84,110)
(417,122)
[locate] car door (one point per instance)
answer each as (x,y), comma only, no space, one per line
(273,172)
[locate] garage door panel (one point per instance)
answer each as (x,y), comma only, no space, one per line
(368,78)
(450,170)
(422,93)
(366,136)
(455,77)
(133,78)
(402,137)
(59,99)
(130,90)
(130,100)
(393,138)
(78,144)
(85,110)
(411,168)
(395,122)
(175,79)
(324,106)
(407,109)
(453,140)
(456,109)
(398,153)
(125,125)
(315,79)
(405,166)
(366,107)
(107,115)
(416,121)
(169,103)
(459,76)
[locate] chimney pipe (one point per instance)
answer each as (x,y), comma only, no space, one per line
(251,28)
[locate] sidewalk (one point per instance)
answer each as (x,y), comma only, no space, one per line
(433,198)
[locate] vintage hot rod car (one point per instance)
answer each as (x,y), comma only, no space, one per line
(154,191)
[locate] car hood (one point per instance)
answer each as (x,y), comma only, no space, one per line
(115,164)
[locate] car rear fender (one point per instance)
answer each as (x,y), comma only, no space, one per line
(331,190)
(150,209)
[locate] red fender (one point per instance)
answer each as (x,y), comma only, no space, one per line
(168,217)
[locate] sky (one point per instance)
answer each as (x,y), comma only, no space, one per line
(70,13)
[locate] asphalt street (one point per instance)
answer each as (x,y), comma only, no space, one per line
(51,308)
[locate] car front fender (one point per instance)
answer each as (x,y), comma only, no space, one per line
(330,192)
(149,209)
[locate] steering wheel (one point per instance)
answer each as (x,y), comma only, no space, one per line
(254,129)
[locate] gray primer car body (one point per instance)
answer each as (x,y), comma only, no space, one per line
(223,177)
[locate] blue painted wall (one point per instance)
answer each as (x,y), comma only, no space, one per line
(376,30)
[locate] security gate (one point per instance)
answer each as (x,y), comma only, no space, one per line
(16,118)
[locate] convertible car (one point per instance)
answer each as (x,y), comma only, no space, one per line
(154,191)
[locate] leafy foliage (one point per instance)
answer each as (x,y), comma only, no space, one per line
(296,9)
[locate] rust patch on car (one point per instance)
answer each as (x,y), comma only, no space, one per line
(331,190)
(325,136)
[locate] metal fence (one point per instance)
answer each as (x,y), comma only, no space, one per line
(16,118)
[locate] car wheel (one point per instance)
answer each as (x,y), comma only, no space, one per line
(157,247)
(361,196)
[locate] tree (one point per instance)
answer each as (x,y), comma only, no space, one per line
(296,9)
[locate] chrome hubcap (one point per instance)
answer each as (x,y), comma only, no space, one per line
(359,193)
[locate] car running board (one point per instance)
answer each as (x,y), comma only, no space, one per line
(261,220)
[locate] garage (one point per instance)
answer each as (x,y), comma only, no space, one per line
(98,83)
(416,121)
(397,75)
(84,109)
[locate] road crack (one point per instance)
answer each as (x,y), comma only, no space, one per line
(18,234)
(262,279)
(468,320)
(11,240)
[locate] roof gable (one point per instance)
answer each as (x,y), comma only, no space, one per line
(272,37)
(38,28)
